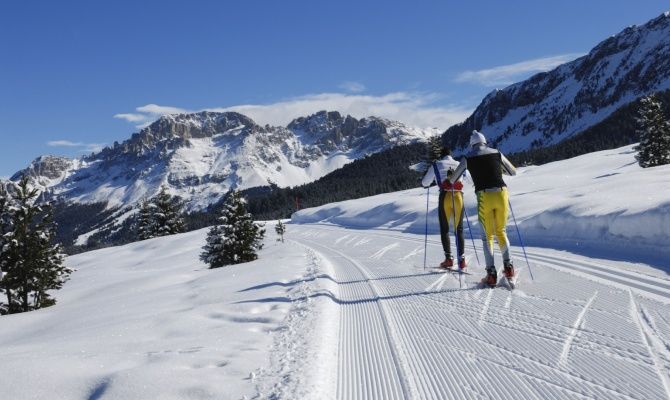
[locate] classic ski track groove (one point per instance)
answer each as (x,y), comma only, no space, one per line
(446,342)
(656,285)
(521,355)
(376,388)
(562,362)
(646,332)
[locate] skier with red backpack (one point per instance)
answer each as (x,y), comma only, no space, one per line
(450,206)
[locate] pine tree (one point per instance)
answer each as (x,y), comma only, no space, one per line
(145,223)
(20,247)
(5,259)
(434,149)
(280,228)
(32,264)
(50,272)
(236,239)
(167,215)
(654,131)
(160,216)
(433,152)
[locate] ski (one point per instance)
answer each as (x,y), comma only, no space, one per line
(511,283)
(452,270)
(462,272)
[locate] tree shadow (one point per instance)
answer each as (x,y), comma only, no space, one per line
(330,295)
(99,390)
(330,278)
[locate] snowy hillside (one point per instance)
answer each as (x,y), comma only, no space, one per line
(600,201)
(345,310)
(149,321)
(550,107)
(343,314)
(201,156)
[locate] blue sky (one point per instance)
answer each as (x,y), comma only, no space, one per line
(78,75)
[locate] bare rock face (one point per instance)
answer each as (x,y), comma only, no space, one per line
(552,106)
(45,170)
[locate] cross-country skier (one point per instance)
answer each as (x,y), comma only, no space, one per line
(486,166)
(445,167)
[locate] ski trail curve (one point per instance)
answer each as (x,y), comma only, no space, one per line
(414,334)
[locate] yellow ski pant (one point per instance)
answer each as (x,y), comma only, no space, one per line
(493,210)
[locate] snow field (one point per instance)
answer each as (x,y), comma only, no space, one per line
(148,320)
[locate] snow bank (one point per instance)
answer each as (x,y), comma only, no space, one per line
(149,321)
(602,201)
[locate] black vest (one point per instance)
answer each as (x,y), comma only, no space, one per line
(486,171)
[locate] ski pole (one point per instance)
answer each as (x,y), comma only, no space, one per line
(467,220)
(425,236)
(458,253)
(520,239)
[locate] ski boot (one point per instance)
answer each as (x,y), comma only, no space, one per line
(447,263)
(491,278)
(508,271)
(462,265)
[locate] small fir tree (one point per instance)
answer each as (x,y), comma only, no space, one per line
(145,223)
(32,264)
(50,272)
(654,131)
(160,216)
(20,248)
(434,149)
(237,239)
(5,228)
(167,216)
(280,228)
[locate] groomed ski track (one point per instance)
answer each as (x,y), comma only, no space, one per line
(579,330)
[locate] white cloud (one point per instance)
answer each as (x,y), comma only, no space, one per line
(417,109)
(145,115)
(508,74)
(160,110)
(353,87)
(64,143)
(413,108)
(84,147)
(131,117)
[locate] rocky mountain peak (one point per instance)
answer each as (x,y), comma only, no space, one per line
(175,130)
(196,125)
(552,106)
(200,156)
(322,121)
(48,166)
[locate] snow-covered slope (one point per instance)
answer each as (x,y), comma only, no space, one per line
(149,321)
(603,201)
(341,313)
(550,107)
(201,156)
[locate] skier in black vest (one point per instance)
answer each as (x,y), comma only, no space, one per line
(486,166)
(448,206)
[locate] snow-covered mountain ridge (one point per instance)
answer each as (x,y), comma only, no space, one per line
(552,106)
(200,156)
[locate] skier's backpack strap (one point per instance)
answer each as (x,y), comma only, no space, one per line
(438,178)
